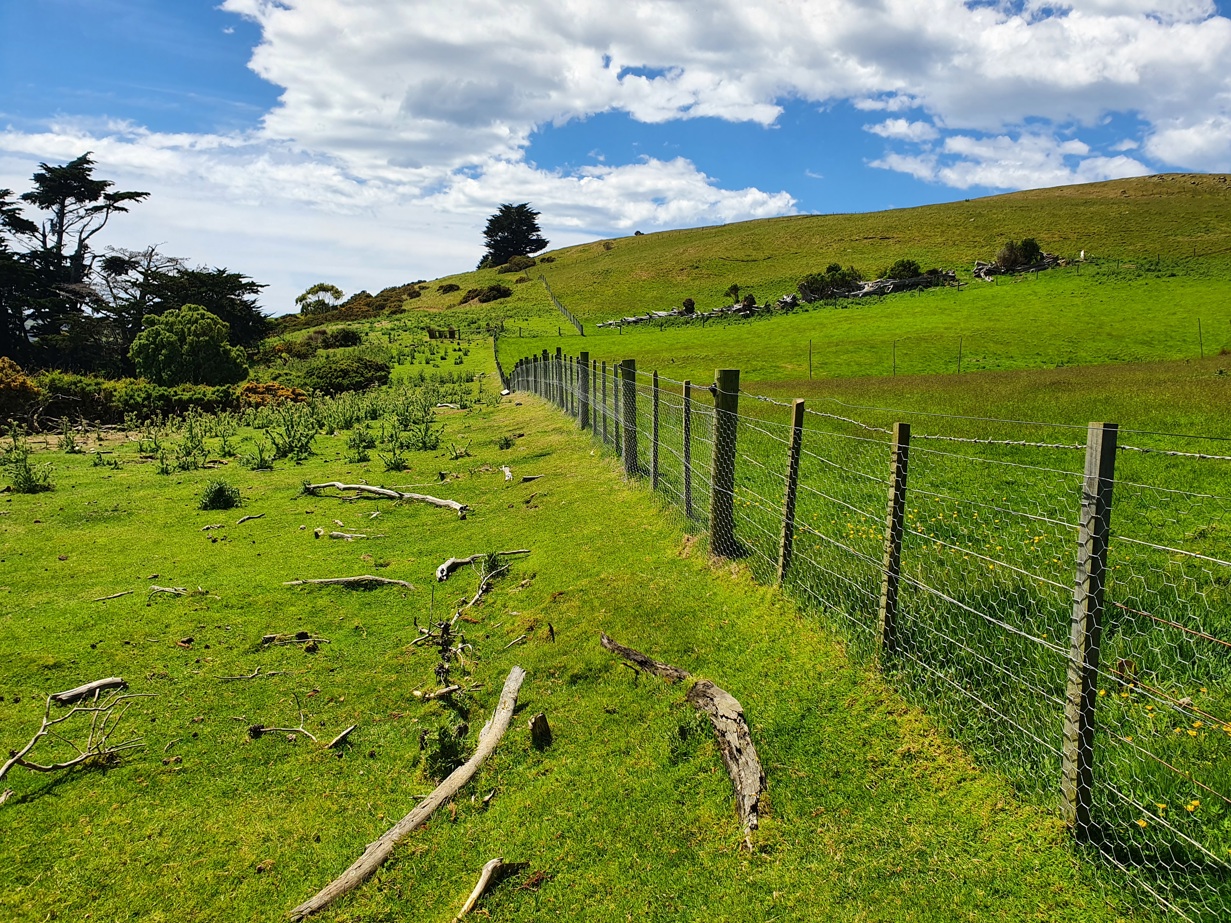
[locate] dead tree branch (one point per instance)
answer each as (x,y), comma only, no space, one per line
(379,850)
(69,696)
(490,870)
(253,675)
(105,716)
(739,754)
(114,596)
(365,580)
(449,566)
(257,730)
(388,493)
(341,738)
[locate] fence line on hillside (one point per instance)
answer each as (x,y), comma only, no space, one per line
(950,560)
(563,310)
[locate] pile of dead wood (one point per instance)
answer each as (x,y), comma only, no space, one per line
(988,271)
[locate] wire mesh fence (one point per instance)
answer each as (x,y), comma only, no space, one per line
(946,548)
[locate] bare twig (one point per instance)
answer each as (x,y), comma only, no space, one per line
(485,877)
(515,641)
(259,729)
(105,716)
(69,696)
(253,675)
(449,566)
(341,738)
(364,580)
(378,851)
(170,590)
(114,596)
(244,519)
(459,508)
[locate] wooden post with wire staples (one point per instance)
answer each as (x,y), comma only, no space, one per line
(654,437)
(615,409)
(604,402)
(628,381)
(1086,629)
(787,546)
(722,484)
(686,409)
(887,617)
(583,380)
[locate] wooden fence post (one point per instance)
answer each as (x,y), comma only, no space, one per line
(628,376)
(604,402)
(787,547)
(545,373)
(583,379)
(722,484)
(654,438)
(594,396)
(558,369)
(616,418)
(895,520)
(686,408)
(1086,628)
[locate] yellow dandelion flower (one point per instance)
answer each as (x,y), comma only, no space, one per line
(1161,807)
(1141,822)
(1192,733)
(1190,808)
(1198,724)
(1104,692)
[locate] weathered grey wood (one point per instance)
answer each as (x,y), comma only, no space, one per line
(459,508)
(722,484)
(616,417)
(739,754)
(558,368)
(362,580)
(583,381)
(379,850)
(628,381)
(1085,634)
(341,738)
(887,617)
(594,396)
(77,693)
(642,662)
(686,408)
(786,547)
(540,732)
(545,390)
(485,877)
(654,437)
(452,564)
(604,402)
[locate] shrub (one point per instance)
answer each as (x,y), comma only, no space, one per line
(335,338)
(690,306)
(517,264)
(17,390)
(448,288)
(25,477)
(485,295)
(1019,255)
(219,495)
(833,281)
(188,346)
(750,300)
(903,269)
(335,374)
(268,394)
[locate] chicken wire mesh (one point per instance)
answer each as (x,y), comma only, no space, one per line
(983,627)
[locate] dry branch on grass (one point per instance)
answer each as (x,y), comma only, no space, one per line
(105,716)
(739,754)
(257,730)
(341,738)
(449,566)
(114,596)
(390,494)
(244,519)
(362,580)
(491,870)
(299,637)
(69,696)
(253,675)
(379,850)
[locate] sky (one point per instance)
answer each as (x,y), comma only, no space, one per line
(366,142)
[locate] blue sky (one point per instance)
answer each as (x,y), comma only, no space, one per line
(365,142)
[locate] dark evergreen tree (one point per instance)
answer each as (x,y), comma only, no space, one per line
(512,231)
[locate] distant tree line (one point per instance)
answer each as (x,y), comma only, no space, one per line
(64,305)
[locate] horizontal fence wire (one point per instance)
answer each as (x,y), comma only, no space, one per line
(985,596)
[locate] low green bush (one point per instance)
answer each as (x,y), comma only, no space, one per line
(219,495)
(336,374)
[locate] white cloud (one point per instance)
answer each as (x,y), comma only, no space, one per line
(402,123)
(904,130)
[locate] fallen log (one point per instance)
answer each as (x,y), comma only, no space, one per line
(390,494)
(362,580)
(69,696)
(642,662)
(739,754)
(379,850)
(449,566)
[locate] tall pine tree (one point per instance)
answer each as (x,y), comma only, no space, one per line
(512,231)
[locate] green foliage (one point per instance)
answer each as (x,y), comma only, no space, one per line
(1016,255)
(487,294)
(512,231)
(294,432)
(336,374)
(517,264)
(833,281)
(219,495)
(446,749)
(68,440)
(25,477)
(17,391)
(320,298)
(188,346)
(360,442)
(903,269)
(448,288)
